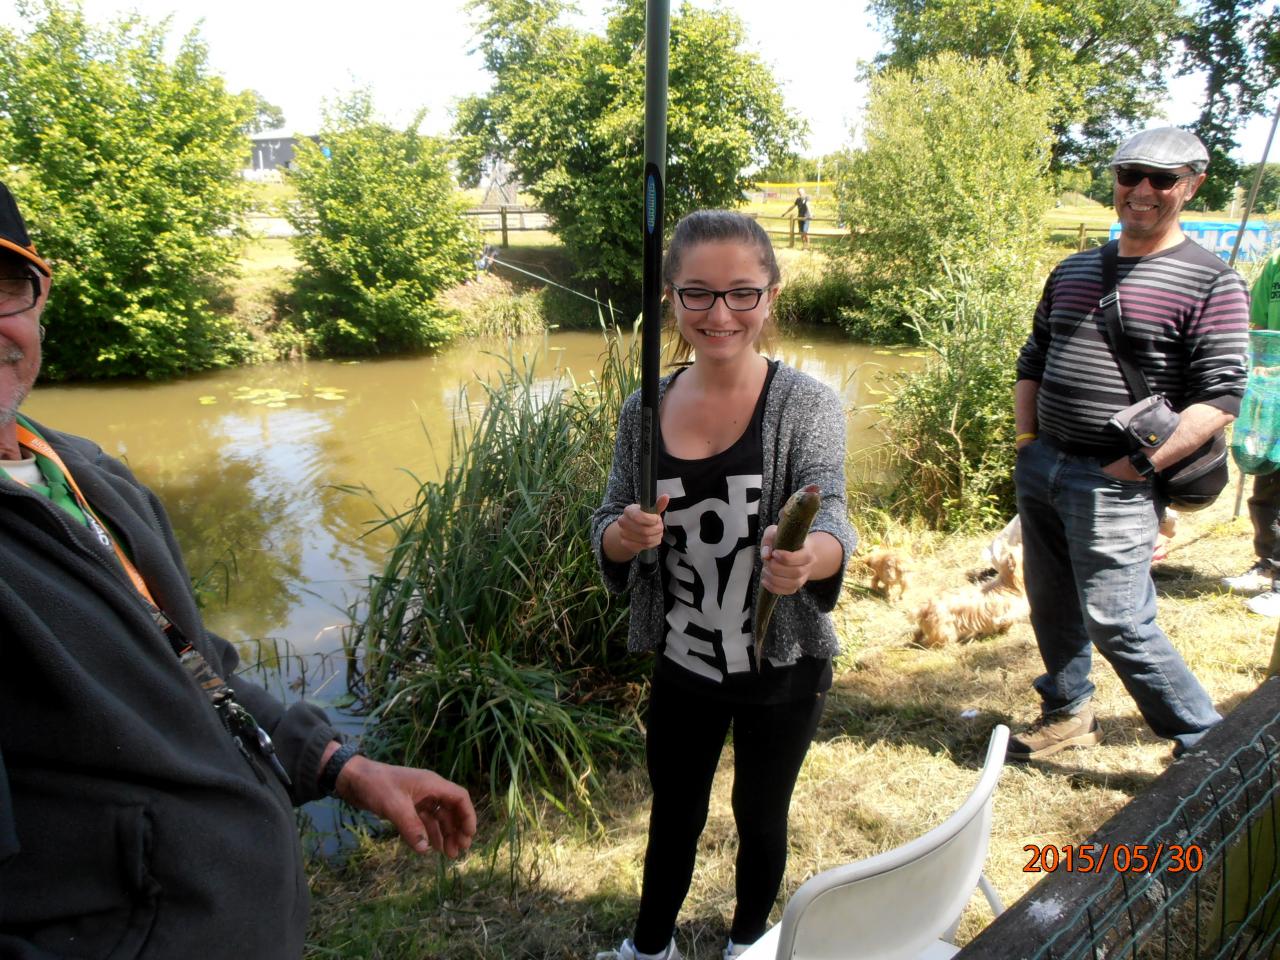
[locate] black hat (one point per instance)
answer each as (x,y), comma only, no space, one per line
(13,232)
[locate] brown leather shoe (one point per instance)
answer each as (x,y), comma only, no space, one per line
(1054,732)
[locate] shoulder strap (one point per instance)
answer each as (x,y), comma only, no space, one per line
(1121,345)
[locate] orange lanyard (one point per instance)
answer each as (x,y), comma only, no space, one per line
(237,720)
(41,446)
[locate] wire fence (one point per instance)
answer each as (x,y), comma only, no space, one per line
(1187,869)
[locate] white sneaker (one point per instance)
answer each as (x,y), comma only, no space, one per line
(628,951)
(1265,604)
(1254,580)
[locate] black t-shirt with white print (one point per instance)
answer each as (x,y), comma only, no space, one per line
(713,527)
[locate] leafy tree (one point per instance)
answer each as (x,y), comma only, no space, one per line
(940,188)
(1232,42)
(1074,179)
(126,158)
(266,116)
(380,234)
(1268,200)
(567,111)
(1100,61)
(805,169)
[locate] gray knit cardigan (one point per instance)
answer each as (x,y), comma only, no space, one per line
(804,442)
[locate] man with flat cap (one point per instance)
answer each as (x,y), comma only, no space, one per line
(1087,503)
(146,792)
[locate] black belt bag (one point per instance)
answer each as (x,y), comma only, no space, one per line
(1197,479)
(1146,424)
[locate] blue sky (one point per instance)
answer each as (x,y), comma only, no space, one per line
(416,56)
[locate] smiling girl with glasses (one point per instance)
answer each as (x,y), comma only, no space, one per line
(739,433)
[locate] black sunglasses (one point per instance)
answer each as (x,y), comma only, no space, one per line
(1132,176)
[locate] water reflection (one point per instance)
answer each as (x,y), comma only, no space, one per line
(251,463)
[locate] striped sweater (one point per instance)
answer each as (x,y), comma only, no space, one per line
(1187,315)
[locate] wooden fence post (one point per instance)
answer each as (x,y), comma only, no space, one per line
(792,228)
(1080,244)
(503,213)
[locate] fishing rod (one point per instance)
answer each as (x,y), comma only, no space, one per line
(657,40)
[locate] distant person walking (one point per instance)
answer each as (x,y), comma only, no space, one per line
(801,206)
(1263,578)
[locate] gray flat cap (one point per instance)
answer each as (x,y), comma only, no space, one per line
(1164,148)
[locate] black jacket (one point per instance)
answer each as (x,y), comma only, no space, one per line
(130,824)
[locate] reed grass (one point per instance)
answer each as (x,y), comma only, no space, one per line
(492,306)
(818,291)
(948,426)
(488,648)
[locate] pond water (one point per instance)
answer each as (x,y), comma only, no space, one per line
(255,464)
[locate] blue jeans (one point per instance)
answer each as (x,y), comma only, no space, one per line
(1087,540)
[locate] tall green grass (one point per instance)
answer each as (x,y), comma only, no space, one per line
(488,648)
(949,427)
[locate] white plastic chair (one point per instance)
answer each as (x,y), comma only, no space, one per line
(896,906)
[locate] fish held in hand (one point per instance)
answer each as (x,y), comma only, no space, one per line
(793,526)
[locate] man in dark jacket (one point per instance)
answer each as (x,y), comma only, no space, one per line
(146,792)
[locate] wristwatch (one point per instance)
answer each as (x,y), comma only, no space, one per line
(1142,463)
(329,776)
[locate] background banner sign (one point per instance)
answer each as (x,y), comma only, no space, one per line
(1219,236)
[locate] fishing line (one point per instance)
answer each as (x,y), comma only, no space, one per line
(1016,24)
(510,266)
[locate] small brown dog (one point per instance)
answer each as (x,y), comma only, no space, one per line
(890,570)
(979,610)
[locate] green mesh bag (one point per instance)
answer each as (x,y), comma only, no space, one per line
(1255,437)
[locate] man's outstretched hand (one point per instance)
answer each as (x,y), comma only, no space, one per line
(430,812)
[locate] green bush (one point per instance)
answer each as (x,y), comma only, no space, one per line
(949,427)
(822,296)
(488,648)
(126,160)
(380,235)
(954,170)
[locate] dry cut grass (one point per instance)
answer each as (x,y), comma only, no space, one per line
(900,746)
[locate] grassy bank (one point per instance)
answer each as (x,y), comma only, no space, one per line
(893,756)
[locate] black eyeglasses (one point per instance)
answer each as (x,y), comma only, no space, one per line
(1132,176)
(739,299)
(18,294)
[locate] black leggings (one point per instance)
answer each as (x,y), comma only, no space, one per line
(685,736)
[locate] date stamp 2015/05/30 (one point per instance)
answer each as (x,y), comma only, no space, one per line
(1120,857)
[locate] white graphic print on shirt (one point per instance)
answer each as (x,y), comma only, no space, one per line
(694,570)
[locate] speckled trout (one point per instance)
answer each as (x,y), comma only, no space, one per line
(793,526)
